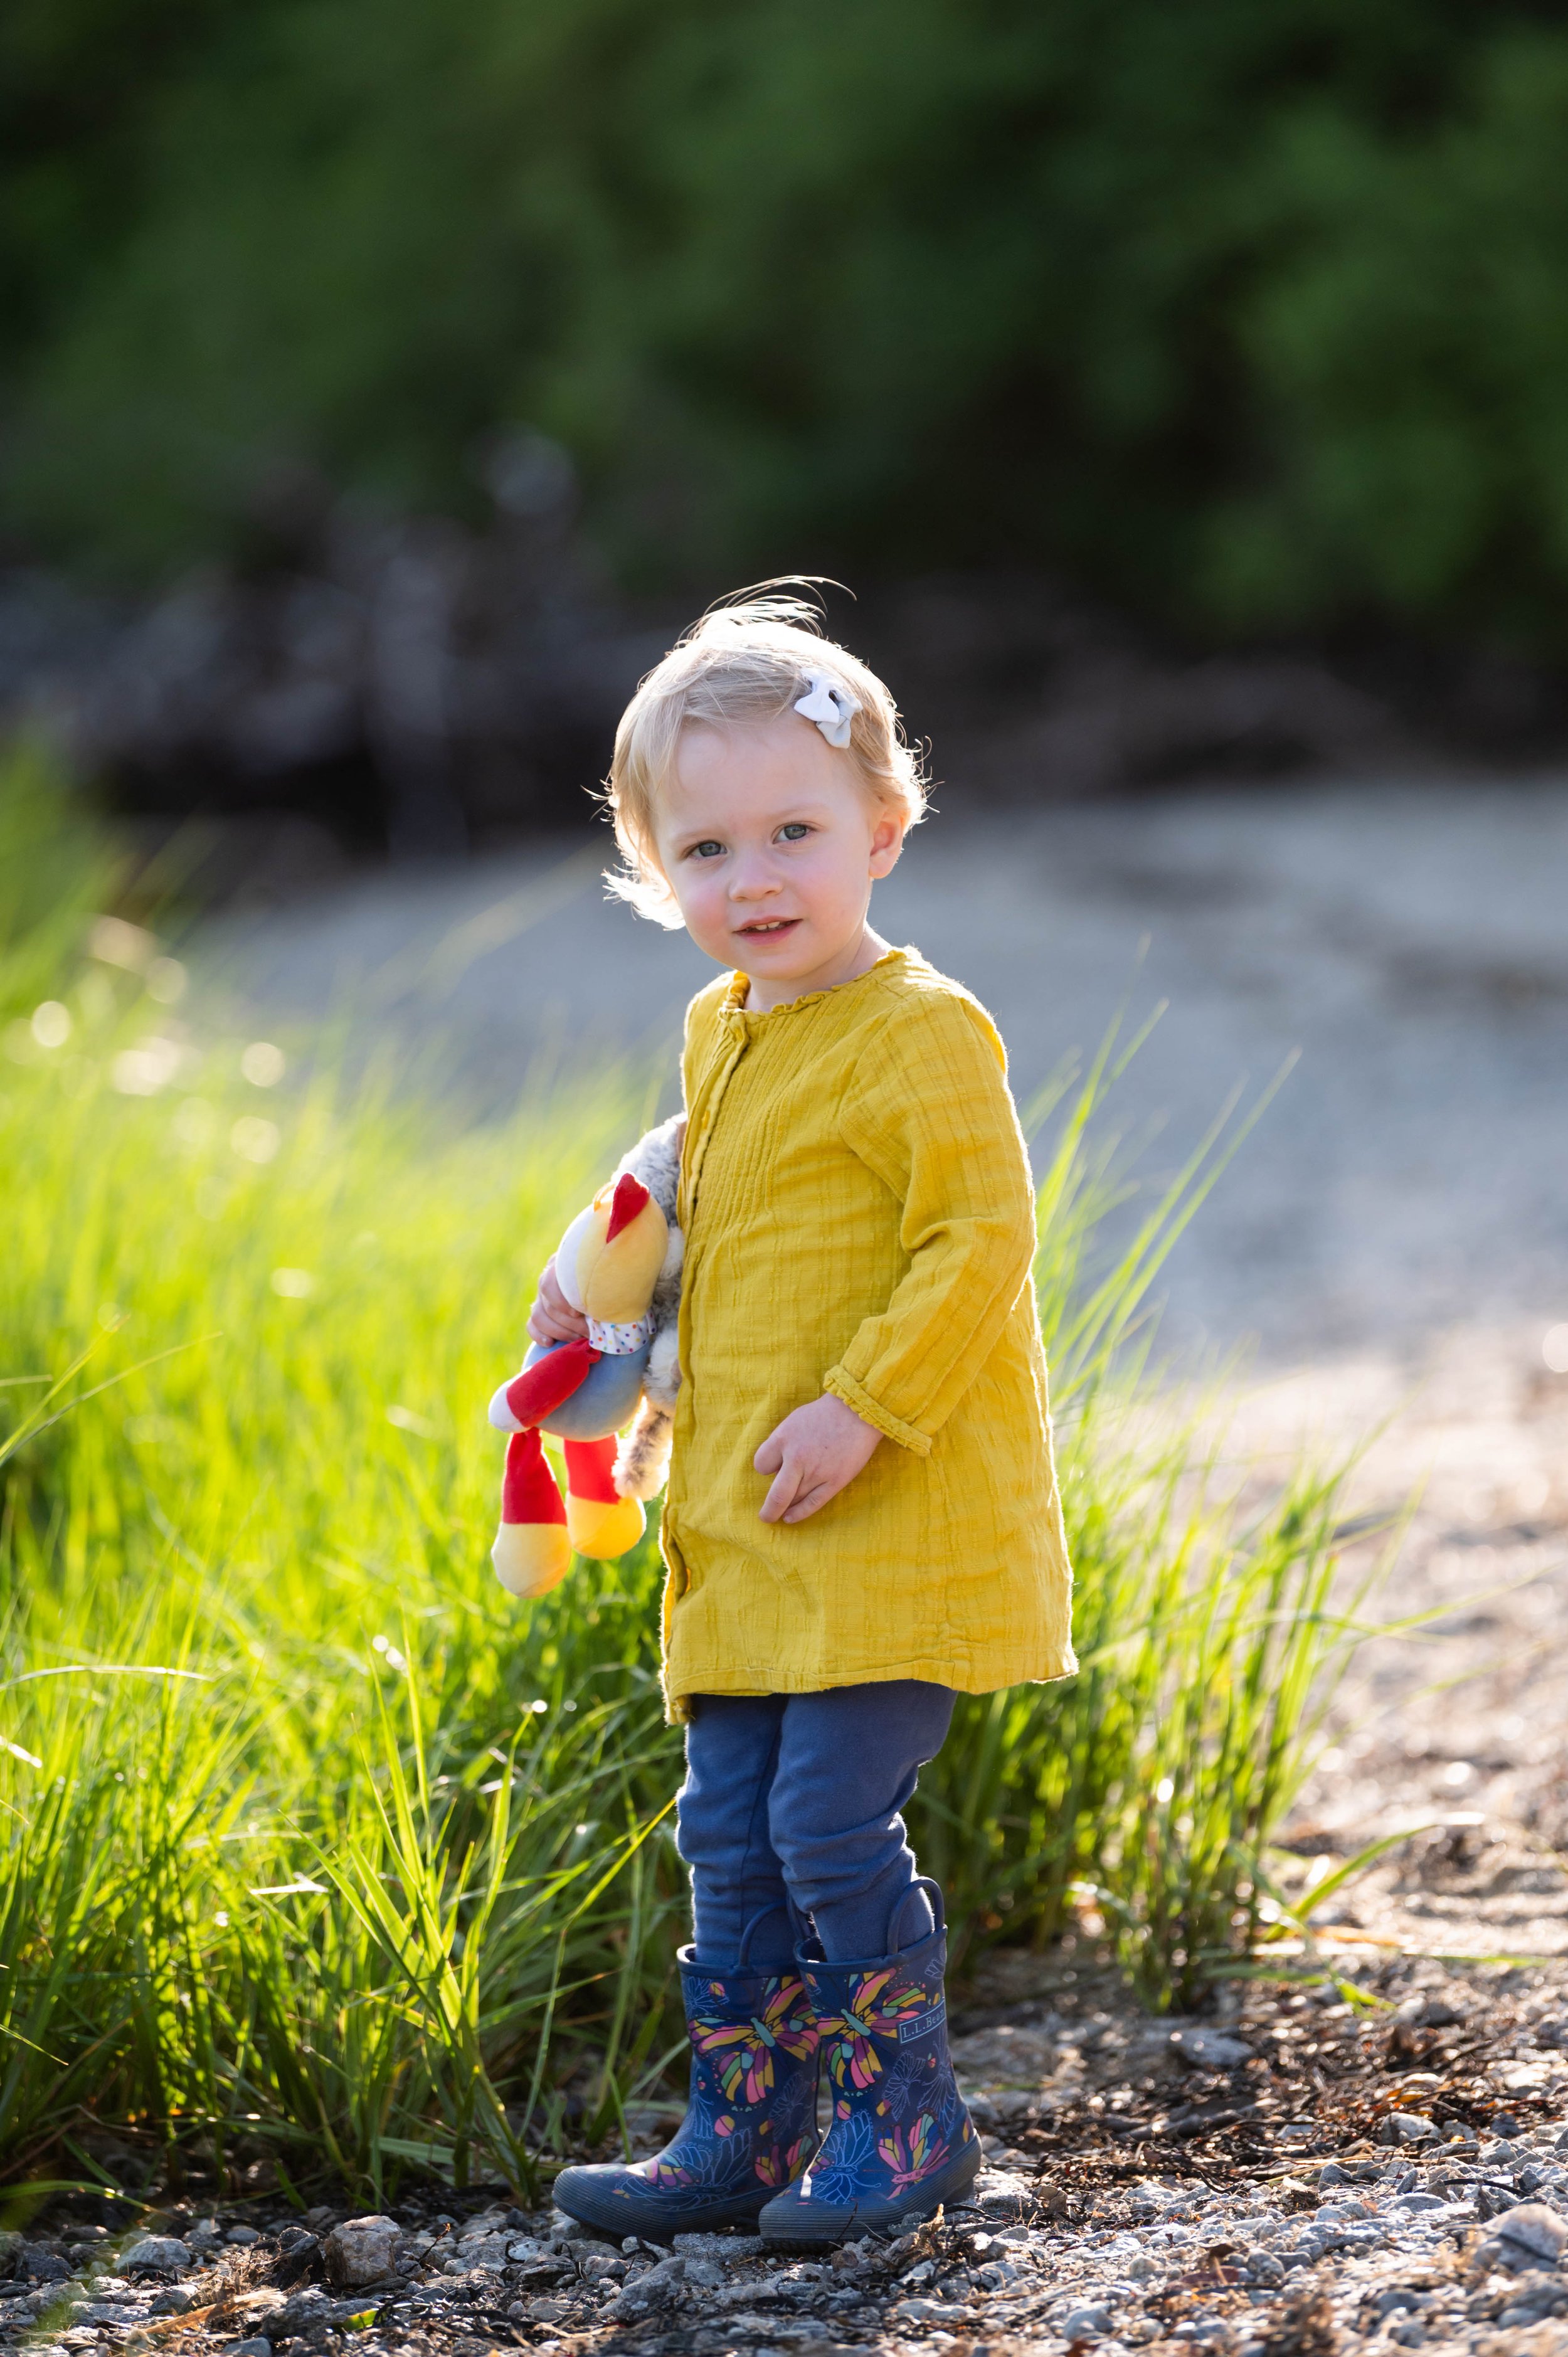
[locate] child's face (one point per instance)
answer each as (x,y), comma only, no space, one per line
(771,845)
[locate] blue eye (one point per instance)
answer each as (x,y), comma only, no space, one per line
(795,830)
(708,850)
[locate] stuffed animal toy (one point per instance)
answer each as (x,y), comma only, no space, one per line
(619,1264)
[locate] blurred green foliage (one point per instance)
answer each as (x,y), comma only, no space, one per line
(1253,315)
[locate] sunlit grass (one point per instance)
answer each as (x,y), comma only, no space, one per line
(322,1855)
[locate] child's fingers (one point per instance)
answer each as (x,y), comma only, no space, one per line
(548,1323)
(769,1458)
(545,1328)
(809,1500)
(553,1301)
(780,1497)
(553,1318)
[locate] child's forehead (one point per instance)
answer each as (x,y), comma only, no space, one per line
(749,767)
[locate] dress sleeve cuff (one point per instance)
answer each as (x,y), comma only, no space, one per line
(843,1386)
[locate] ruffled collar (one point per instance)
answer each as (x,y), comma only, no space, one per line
(734,1010)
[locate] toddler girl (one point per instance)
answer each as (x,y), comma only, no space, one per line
(861,1519)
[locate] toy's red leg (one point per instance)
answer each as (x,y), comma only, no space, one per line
(532,1550)
(601,1523)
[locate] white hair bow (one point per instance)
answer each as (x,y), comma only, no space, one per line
(830,706)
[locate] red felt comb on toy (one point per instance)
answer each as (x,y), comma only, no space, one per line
(629,1198)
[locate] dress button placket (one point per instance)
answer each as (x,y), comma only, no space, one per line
(711,1098)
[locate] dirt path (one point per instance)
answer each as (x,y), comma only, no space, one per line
(1410,943)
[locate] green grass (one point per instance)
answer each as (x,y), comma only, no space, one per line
(322,1856)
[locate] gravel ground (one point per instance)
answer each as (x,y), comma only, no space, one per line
(1290,2177)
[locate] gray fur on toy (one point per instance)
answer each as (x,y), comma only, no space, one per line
(642,1461)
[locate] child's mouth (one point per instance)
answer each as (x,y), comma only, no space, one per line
(768,929)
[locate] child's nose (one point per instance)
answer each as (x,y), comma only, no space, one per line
(752,878)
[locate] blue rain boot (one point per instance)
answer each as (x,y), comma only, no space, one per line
(751,2114)
(901,2142)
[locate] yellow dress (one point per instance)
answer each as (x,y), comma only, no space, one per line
(860,1219)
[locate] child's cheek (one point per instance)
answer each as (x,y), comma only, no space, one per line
(702,906)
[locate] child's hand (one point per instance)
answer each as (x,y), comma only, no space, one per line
(814,1452)
(553,1318)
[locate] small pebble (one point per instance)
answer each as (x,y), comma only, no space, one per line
(1533,2229)
(361,2251)
(1210,2049)
(162,2255)
(1406,2128)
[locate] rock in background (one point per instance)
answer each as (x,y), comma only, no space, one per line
(400,679)
(370,679)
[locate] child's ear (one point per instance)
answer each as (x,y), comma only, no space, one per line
(887,843)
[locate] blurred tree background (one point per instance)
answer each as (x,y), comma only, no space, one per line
(1251,317)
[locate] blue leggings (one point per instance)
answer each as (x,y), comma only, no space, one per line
(802,1797)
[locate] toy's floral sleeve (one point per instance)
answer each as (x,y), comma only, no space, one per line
(931,1114)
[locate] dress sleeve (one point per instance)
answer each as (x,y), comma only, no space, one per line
(931,1114)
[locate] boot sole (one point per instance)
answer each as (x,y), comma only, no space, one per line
(645,2214)
(807,2225)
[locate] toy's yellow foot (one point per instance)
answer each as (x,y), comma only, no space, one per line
(530,1558)
(604,1528)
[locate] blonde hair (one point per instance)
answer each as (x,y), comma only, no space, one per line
(746,659)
